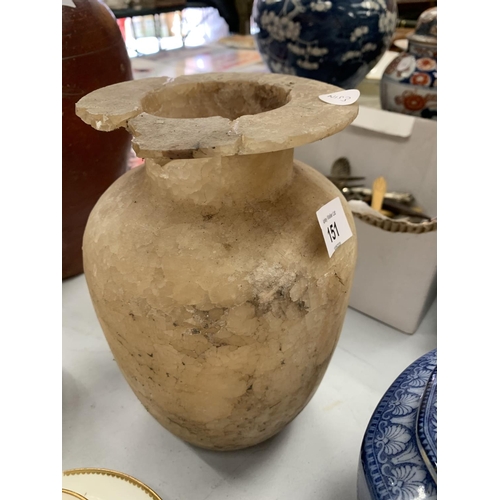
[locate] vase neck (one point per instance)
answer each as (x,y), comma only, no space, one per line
(221,180)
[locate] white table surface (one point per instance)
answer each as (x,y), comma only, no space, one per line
(313,458)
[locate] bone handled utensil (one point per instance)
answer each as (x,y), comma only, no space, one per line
(341,168)
(340,174)
(402,209)
(364,192)
(379,189)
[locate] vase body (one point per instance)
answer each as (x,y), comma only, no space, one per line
(210,275)
(334,41)
(409,83)
(93,56)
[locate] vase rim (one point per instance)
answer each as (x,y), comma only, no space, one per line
(291,114)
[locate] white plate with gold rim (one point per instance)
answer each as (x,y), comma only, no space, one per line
(71,495)
(104,484)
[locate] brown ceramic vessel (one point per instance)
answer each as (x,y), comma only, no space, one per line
(93,56)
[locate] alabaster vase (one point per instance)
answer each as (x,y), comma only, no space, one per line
(207,267)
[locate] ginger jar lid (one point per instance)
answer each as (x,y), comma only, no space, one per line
(426,30)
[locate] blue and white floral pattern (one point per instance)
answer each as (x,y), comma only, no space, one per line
(427,424)
(335,41)
(391,460)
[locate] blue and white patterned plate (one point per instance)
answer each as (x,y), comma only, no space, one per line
(399,451)
(427,425)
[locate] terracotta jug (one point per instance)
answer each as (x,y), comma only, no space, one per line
(93,56)
(207,267)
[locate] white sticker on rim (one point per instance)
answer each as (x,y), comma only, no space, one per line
(341,98)
(334,225)
(68,3)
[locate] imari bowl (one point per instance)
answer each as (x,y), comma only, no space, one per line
(399,451)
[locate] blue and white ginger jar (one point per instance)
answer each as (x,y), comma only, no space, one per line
(334,41)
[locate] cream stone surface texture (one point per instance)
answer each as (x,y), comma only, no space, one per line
(207,267)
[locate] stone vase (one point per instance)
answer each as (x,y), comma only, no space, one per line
(206,266)
(93,56)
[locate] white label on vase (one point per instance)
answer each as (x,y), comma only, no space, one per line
(334,225)
(68,3)
(341,98)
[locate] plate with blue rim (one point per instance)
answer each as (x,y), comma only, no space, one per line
(398,459)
